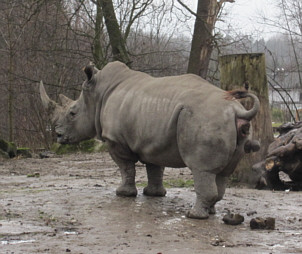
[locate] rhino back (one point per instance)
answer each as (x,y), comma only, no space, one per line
(142,114)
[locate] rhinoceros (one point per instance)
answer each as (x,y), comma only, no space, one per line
(176,121)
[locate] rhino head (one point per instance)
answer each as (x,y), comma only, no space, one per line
(73,120)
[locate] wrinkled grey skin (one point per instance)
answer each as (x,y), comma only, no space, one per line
(173,121)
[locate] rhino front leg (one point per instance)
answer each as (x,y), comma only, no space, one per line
(155,181)
(206,194)
(127,169)
(127,187)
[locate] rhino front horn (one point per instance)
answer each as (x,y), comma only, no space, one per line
(48,104)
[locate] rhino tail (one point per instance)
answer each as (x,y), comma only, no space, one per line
(241,112)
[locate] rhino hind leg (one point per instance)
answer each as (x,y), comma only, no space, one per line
(155,181)
(198,146)
(126,163)
(221,182)
(206,194)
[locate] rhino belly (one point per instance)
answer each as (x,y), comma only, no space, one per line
(167,157)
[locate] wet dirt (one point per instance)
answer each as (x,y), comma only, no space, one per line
(69,205)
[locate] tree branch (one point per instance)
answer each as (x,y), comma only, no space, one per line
(187,8)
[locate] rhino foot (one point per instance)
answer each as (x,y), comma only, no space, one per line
(155,191)
(201,214)
(126,191)
(212,210)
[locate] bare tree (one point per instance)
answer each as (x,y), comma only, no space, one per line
(289,24)
(203,39)
(117,42)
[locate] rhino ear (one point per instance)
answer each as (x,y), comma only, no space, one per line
(95,70)
(64,100)
(89,70)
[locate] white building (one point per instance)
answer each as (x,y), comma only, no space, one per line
(278,96)
(286,92)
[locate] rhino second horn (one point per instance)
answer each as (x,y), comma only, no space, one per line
(65,100)
(47,103)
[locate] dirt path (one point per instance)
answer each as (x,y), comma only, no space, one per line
(68,204)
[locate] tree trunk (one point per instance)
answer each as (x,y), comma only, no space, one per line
(235,71)
(117,41)
(201,46)
(203,39)
(97,46)
(10,101)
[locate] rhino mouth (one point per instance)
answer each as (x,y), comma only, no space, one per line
(62,139)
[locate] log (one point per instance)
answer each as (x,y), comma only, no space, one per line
(236,71)
(284,154)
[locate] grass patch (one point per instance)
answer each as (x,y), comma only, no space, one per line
(36,174)
(47,218)
(172,183)
(276,125)
(178,183)
(87,146)
(233,179)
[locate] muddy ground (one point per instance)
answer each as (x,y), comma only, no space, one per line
(68,205)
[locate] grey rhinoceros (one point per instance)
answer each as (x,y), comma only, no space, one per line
(172,121)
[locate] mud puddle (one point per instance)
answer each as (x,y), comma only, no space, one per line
(70,206)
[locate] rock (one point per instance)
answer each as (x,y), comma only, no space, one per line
(47,154)
(233,219)
(251,213)
(217,240)
(8,147)
(261,223)
(4,155)
(24,152)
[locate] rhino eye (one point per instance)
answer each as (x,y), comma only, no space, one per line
(72,113)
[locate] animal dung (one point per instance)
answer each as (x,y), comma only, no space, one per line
(263,223)
(233,219)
